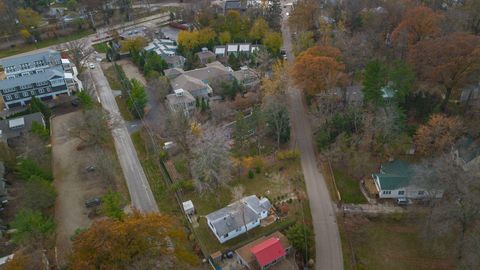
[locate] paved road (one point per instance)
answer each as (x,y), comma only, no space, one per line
(327,238)
(140,193)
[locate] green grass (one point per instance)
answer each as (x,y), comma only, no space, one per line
(181,165)
(387,242)
(44,43)
(122,106)
(112,78)
(349,188)
(100,47)
(164,197)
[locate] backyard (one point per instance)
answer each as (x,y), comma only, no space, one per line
(387,242)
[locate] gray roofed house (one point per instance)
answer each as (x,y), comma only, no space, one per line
(198,81)
(466,153)
(20,64)
(235,5)
(238,217)
(181,101)
(247,77)
(16,127)
(206,56)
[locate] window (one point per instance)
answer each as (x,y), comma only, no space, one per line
(39,70)
(42,83)
(23,87)
(8,97)
(10,69)
(25,94)
(25,66)
(387,192)
(32,93)
(41,91)
(226,235)
(421,192)
(15,96)
(401,192)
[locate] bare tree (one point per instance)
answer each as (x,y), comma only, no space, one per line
(278,121)
(453,222)
(211,164)
(178,128)
(159,86)
(93,129)
(78,51)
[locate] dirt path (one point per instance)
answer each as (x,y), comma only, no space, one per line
(73,185)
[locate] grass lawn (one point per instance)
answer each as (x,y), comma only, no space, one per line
(112,78)
(349,188)
(100,47)
(165,198)
(387,242)
(44,43)
(122,106)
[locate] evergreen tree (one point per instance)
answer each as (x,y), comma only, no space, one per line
(274,15)
(374,81)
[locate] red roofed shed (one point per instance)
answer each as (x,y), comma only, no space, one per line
(268,252)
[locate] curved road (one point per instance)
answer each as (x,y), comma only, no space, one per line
(328,248)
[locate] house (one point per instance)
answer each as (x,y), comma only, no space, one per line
(247,77)
(167,49)
(133,32)
(265,252)
(181,101)
(466,153)
(197,82)
(235,49)
(235,5)
(44,75)
(394,181)
(16,127)
(206,56)
(238,217)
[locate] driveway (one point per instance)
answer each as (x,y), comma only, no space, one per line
(140,193)
(328,248)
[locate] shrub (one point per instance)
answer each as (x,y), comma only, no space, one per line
(112,205)
(39,130)
(251,174)
(288,155)
(27,168)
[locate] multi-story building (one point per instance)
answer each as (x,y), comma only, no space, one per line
(44,75)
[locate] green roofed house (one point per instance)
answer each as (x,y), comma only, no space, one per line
(393,181)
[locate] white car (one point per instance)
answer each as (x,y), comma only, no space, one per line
(91,65)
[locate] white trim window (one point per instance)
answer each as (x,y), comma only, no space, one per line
(25,94)
(8,97)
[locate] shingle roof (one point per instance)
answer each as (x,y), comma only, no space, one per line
(29,58)
(468,149)
(8,133)
(187,83)
(185,98)
(394,175)
(268,251)
(38,77)
(230,218)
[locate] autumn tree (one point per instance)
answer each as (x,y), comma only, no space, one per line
(259,30)
(471,16)
(211,165)
(447,63)
(452,223)
(418,23)
(304,15)
(135,44)
(276,85)
(303,41)
(318,69)
(273,42)
(224,37)
(437,135)
(138,241)
(28,18)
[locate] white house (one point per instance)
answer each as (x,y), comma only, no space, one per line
(238,217)
(181,101)
(393,182)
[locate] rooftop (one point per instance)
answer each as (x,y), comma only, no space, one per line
(30,58)
(268,251)
(11,128)
(394,175)
(34,78)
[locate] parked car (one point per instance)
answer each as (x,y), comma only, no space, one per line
(91,65)
(93,202)
(402,201)
(90,168)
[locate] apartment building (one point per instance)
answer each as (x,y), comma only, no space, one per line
(44,75)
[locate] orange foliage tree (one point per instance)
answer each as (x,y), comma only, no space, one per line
(318,69)
(437,135)
(417,24)
(447,63)
(150,241)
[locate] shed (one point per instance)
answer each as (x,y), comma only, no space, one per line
(188,207)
